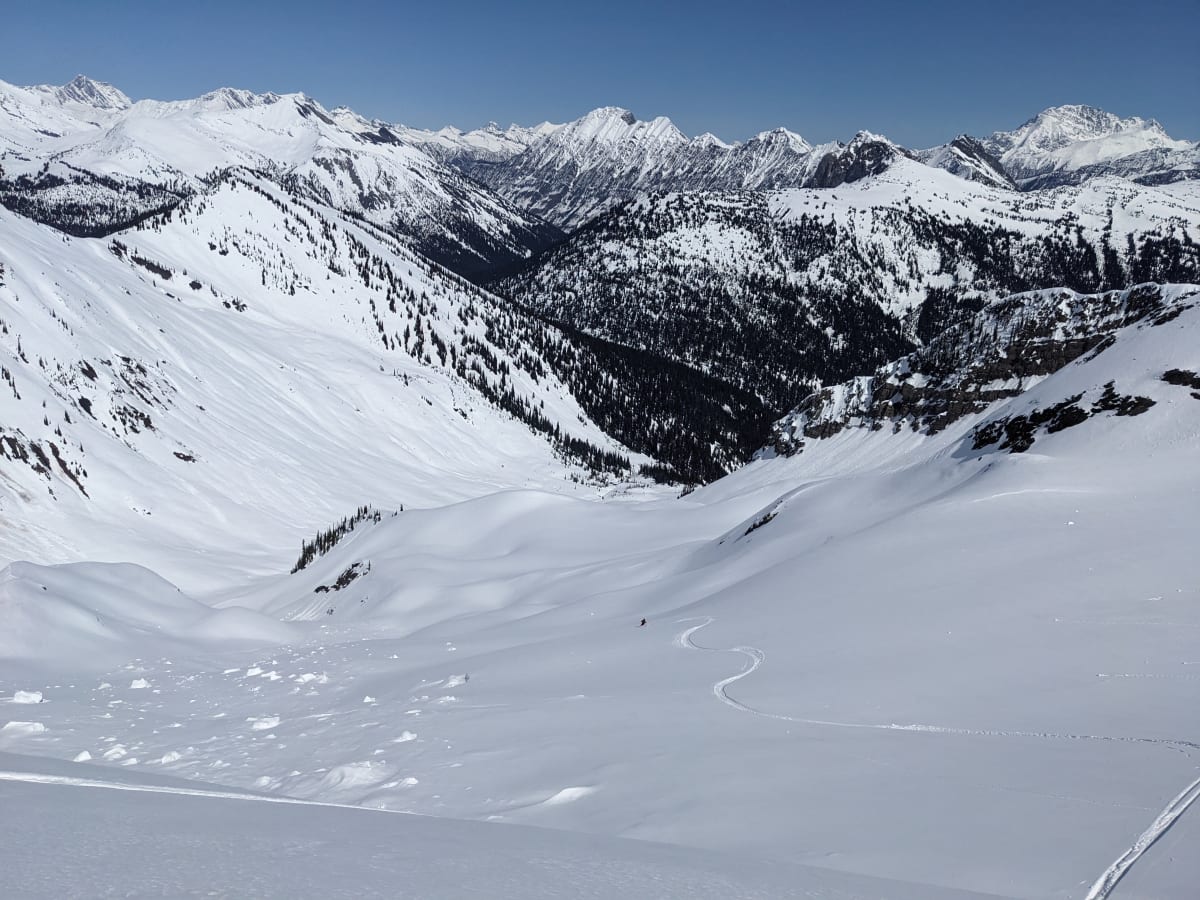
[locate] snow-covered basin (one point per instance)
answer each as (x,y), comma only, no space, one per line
(890,656)
(964,673)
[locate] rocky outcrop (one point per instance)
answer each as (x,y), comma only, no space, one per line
(1006,348)
(863,157)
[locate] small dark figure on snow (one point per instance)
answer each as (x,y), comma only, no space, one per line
(643,623)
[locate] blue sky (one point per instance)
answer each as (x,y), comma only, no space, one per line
(918,72)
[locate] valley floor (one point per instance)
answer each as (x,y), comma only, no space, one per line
(975,675)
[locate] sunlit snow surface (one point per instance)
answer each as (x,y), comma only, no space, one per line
(934,665)
(145,836)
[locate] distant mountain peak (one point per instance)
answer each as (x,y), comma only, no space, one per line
(610,113)
(1064,144)
(870,137)
(783,137)
(1060,126)
(867,154)
(98,94)
(239,98)
(708,139)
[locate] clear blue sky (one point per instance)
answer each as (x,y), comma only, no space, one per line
(919,72)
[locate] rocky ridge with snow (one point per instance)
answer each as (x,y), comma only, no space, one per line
(575,171)
(85,159)
(1069,144)
(570,173)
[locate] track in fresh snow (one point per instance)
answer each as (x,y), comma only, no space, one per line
(756,657)
(1169,816)
(36,778)
(1104,885)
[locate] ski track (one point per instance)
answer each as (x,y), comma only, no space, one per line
(68,781)
(1104,885)
(756,656)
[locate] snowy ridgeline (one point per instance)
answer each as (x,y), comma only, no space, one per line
(796,287)
(573,172)
(904,656)
(86,159)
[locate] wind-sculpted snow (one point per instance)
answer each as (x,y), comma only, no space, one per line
(106,612)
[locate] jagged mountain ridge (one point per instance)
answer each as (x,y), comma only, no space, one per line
(85,159)
(968,158)
(776,291)
(575,171)
(570,173)
(490,143)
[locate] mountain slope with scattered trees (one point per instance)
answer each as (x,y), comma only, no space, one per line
(776,292)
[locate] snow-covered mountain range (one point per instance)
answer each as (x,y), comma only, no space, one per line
(84,157)
(297,520)
(570,173)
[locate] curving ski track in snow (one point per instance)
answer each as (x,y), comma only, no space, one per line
(756,657)
(1104,885)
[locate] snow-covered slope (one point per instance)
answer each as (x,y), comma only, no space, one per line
(31,117)
(968,158)
(252,365)
(69,828)
(896,655)
(771,291)
(51,136)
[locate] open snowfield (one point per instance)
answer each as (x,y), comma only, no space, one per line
(228,844)
(943,668)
